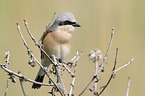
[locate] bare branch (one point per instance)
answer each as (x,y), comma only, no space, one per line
(127,92)
(72,86)
(31,54)
(102,64)
(47,27)
(7,56)
(72,62)
(104,60)
(78,57)
(96,79)
(125,65)
(73,81)
(37,43)
(87,86)
(21,76)
(112,75)
(7,87)
(67,69)
(59,78)
(21,83)
(77,53)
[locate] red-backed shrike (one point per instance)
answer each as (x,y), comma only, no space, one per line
(56,41)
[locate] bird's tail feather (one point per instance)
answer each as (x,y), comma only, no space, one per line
(39,78)
(41,74)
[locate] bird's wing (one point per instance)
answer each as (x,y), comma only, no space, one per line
(43,36)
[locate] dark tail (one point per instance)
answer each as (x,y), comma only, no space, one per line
(38,79)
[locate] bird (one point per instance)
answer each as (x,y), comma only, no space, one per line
(56,41)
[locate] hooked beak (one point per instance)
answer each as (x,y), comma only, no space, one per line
(76,25)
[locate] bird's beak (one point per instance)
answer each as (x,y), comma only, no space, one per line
(76,25)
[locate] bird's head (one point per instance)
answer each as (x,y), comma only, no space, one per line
(64,22)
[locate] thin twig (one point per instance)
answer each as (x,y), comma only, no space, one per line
(127,92)
(21,83)
(73,61)
(102,64)
(37,43)
(96,69)
(7,87)
(78,57)
(72,86)
(87,86)
(21,76)
(31,54)
(112,75)
(125,65)
(47,27)
(59,78)
(7,56)
(67,69)
(73,81)
(104,60)
(77,53)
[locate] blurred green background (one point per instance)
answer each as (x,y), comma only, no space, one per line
(96,17)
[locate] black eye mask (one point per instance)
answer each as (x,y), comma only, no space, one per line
(66,23)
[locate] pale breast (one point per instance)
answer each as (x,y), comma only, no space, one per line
(62,37)
(58,44)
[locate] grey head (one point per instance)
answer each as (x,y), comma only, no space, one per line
(65,18)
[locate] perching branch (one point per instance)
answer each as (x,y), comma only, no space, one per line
(40,47)
(59,85)
(37,43)
(59,78)
(31,55)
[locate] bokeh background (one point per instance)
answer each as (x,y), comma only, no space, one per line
(96,17)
